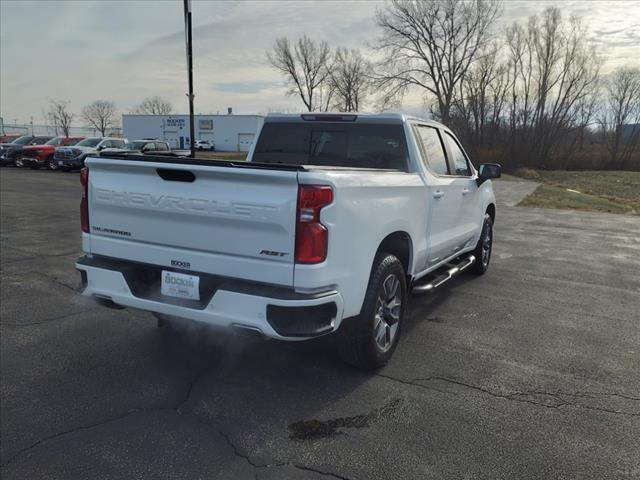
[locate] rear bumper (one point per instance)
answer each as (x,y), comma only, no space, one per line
(276,312)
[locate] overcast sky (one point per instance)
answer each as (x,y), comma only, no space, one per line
(125,50)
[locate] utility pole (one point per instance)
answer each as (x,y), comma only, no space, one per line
(187,31)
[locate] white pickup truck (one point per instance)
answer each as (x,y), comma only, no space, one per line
(330,224)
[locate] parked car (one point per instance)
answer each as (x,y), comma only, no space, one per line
(9,137)
(6,148)
(72,158)
(329,225)
(140,146)
(36,156)
(204,145)
(11,152)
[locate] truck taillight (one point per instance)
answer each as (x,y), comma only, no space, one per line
(311,235)
(84,203)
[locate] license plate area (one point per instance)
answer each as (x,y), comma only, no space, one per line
(180,285)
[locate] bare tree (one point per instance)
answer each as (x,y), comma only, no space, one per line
(100,114)
(621,107)
(481,96)
(431,44)
(555,71)
(153,106)
(60,116)
(306,68)
(350,79)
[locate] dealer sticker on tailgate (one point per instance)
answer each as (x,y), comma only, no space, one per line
(180,285)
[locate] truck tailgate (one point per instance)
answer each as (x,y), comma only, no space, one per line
(231,221)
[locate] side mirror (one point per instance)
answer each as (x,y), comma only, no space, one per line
(487,171)
(101,147)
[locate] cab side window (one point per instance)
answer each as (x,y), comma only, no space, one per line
(459,163)
(149,147)
(161,146)
(432,149)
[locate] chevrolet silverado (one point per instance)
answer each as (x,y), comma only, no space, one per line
(330,224)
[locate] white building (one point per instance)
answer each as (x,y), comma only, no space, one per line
(229,133)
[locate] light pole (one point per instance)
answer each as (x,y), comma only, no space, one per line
(187,31)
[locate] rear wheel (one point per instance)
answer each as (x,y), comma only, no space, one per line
(369,340)
(484,247)
(52,164)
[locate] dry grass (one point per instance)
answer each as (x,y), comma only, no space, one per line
(601,191)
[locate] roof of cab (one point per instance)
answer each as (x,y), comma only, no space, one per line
(358,117)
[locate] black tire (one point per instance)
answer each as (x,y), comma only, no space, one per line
(484,247)
(358,344)
(19,163)
(51,163)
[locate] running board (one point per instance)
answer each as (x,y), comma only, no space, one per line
(443,277)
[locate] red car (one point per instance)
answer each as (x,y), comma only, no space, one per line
(36,156)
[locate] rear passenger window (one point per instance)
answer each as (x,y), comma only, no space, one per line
(459,162)
(433,149)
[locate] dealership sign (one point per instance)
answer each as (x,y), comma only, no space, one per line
(175,122)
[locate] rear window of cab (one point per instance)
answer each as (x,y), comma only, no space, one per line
(339,144)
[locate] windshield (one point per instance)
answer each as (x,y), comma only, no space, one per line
(134,145)
(22,140)
(333,144)
(89,142)
(55,141)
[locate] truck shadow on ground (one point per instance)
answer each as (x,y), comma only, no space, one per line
(286,392)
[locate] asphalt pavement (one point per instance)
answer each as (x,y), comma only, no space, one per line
(531,371)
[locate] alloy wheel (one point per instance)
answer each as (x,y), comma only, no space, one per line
(387,316)
(486,246)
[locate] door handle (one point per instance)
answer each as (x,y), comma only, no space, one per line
(438,194)
(465,191)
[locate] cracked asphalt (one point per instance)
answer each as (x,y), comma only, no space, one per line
(532,371)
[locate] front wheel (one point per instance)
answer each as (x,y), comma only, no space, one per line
(484,247)
(52,164)
(369,340)
(19,163)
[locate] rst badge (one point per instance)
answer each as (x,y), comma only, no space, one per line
(271,253)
